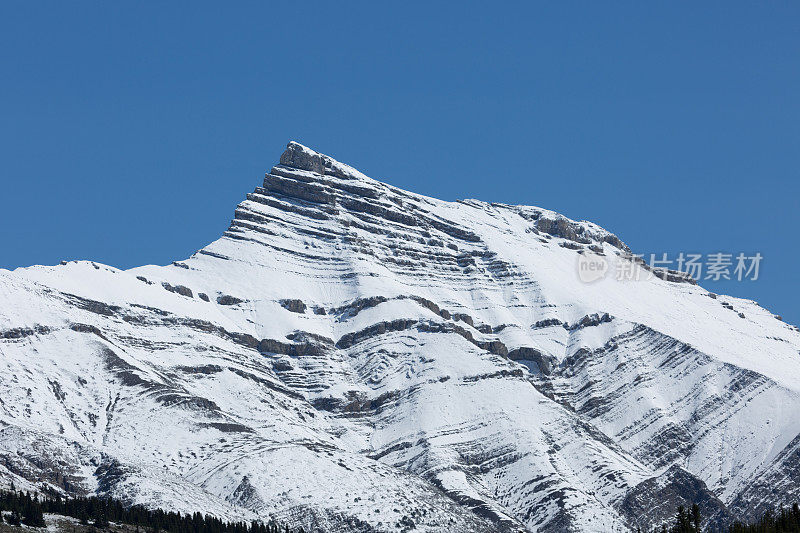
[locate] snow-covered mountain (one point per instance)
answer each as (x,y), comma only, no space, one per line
(354,357)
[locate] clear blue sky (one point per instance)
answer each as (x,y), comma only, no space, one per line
(129,133)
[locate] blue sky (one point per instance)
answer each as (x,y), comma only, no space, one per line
(129,133)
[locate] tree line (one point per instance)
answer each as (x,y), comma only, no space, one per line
(783,521)
(23,508)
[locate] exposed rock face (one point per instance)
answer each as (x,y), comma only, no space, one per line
(298,156)
(349,339)
(454,373)
(293,305)
(781,478)
(228,300)
(595,319)
(674,276)
(577,232)
(524,353)
(178,289)
(646,503)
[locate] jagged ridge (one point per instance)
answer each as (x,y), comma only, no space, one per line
(351,356)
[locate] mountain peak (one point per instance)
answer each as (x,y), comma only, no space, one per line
(302,157)
(448,356)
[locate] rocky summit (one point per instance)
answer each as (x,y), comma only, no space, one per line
(349,356)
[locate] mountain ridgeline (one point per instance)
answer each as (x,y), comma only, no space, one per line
(349,356)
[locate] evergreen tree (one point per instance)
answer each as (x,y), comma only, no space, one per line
(682,522)
(34,516)
(14,518)
(83,516)
(100,520)
(30,510)
(696,518)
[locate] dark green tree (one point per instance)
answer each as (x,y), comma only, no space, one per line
(14,518)
(34,516)
(696,518)
(100,520)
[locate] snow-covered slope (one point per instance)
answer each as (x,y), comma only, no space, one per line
(355,357)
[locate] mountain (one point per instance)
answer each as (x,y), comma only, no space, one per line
(350,356)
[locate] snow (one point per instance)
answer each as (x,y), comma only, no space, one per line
(416,418)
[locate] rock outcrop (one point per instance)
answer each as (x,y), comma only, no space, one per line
(362,358)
